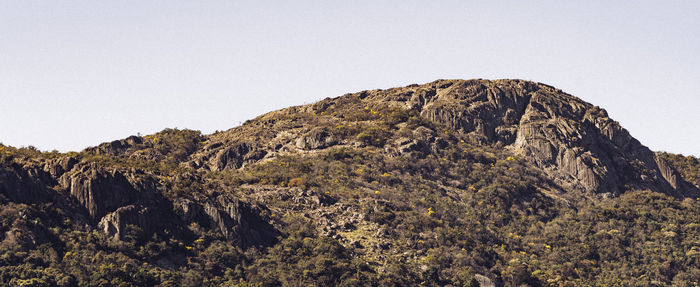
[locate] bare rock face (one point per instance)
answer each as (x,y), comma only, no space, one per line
(124,203)
(116,147)
(240,222)
(573,141)
(236,156)
(59,166)
(469,107)
(99,191)
(187,210)
(23,185)
(236,220)
(484,281)
(420,144)
(673,177)
(316,138)
(114,224)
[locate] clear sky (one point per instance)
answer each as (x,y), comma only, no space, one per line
(77,73)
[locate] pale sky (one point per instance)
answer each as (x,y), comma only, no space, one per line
(74,74)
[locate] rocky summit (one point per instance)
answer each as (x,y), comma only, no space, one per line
(450,183)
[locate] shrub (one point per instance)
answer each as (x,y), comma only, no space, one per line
(297,182)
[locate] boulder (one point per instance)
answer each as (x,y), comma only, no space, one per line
(114,224)
(59,166)
(236,156)
(317,138)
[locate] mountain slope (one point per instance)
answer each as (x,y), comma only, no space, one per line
(452,182)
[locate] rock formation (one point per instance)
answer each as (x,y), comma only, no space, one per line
(236,156)
(99,191)
(450,183)
(315,139)
(114,224)
(573,141)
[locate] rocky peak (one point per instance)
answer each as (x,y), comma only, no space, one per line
(573,141)
(576,143)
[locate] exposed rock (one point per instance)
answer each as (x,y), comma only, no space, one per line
(573,141)
(493,153)
(187,210)
(682,187)
(114,224)
(484,281)
(420,144)
(99,191)
(237,155)
(57,167)
(240,222)
(234,219)
(237,221)
(317,138)
(20,237)
(322,199)
(23,185)
(24,231)
(356,244)
(116,147)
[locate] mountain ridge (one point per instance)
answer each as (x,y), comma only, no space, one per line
(430,102)
(377,187)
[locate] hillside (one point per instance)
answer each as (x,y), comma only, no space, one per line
(454,182)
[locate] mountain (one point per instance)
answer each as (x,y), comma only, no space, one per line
(454,182)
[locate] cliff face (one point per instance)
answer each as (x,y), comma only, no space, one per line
(112,199)
(98,190)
